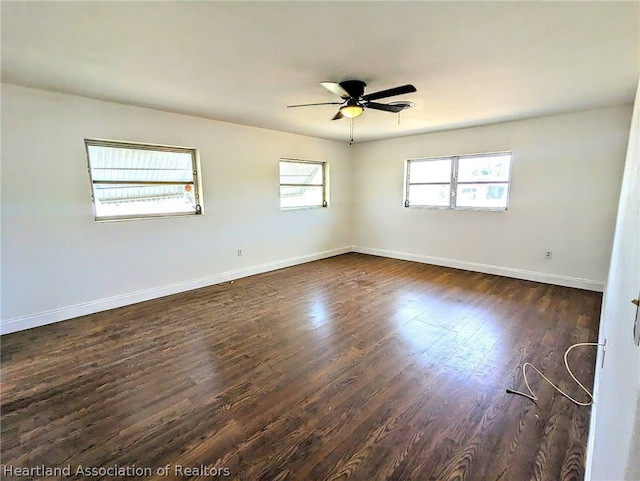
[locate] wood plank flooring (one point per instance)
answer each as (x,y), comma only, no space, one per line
(350,368)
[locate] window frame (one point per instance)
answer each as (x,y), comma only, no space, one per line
(454,183)
(325,167)
(196,180)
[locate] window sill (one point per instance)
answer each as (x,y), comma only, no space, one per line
(144,217)
(306,207)
(459,209)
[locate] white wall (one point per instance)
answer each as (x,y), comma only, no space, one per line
(615,455)
(58,263)
(566,179)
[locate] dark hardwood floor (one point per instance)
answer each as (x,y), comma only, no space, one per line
(350,368)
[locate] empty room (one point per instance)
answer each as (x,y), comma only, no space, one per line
(320,241)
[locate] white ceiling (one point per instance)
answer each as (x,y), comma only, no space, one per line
(472,62)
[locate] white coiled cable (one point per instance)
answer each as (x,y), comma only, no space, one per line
(533,396)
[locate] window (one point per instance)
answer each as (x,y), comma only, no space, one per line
(302,184)
(130,180)
(469,182)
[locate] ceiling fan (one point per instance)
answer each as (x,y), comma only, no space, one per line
(354,101)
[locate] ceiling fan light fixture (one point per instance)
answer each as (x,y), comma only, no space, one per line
(351,111)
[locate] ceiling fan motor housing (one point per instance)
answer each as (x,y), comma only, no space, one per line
(355,88)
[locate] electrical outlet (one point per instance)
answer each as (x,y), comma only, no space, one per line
(548,255)
(239,252)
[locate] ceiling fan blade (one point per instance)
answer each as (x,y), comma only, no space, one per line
(338,116)
(404,89)
(385,107)
(336,89)
(309,105)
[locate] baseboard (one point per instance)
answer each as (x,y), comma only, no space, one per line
(69,312)
(544,277)
(83,309)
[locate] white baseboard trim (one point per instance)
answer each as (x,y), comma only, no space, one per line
(546,278)
(69,312)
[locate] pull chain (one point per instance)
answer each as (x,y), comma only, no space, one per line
(351,131)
